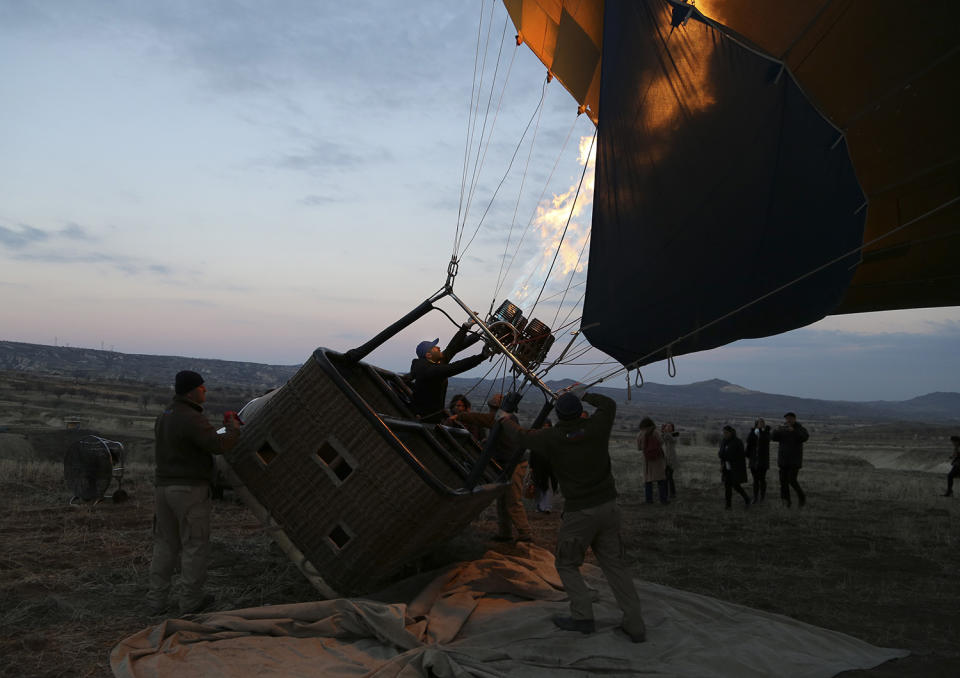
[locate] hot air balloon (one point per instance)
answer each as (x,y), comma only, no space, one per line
(760,164)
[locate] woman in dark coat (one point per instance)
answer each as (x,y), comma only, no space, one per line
(758,453)
(733,462)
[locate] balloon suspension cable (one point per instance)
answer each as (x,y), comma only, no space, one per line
(671,366)
(573,337)
(481,158)
(493,339)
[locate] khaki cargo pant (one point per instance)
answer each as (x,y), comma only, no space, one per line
(510,510)
(181,530)
(597,527)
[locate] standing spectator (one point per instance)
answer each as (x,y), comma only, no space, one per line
(579,450)
(650,443)
(791,436)
(669,435)
(543,478)
(185,445)
(758,453)
(510,510)
(954,466)
(733,462)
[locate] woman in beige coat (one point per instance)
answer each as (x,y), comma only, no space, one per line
(650,443)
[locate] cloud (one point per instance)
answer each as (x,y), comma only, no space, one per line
(75,232)
(316,200)
(125,265)
(25,235)
(322,157)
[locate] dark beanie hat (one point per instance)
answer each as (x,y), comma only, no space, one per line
(569,406)
(186,381)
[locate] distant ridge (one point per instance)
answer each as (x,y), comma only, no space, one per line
(713,395)
(88,363)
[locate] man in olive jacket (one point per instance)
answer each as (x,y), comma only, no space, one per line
(185,443)
(791,436)
(578,451)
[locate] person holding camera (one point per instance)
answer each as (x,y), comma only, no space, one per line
(791,436)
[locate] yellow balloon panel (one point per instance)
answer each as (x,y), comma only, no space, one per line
(567,37)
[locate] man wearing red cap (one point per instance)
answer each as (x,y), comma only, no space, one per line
(578,450)
(185,443)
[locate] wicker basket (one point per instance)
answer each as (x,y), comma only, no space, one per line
(354,482)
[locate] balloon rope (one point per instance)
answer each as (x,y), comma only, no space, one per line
(563,235)
(573,272)
(478,166)
(474,115)
(506,173)
(466,145)
(546,185)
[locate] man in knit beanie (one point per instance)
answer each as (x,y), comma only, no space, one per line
(185,445)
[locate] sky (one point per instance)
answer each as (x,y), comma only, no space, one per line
(248,181)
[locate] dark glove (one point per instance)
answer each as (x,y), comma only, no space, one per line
(511,402)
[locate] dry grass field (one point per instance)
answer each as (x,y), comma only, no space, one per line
(874,553)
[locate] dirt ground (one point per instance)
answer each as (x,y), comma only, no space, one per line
(873,554)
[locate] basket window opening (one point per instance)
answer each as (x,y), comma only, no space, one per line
(339,537)
(332,458)
(266,453)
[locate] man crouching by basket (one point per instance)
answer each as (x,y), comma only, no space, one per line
(185,443)
(578,450)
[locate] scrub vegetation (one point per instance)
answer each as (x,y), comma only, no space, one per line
(873,554)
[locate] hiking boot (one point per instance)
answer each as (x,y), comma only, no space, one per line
(202,605)
(635,637)
(571,624)
(948,493)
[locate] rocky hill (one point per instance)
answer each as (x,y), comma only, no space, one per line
(712,396)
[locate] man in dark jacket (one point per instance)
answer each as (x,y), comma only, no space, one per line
(578,451)
(791,436)
(185,443)
(758,454)
(431,369)
(733,463)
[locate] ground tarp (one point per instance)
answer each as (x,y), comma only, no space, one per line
(491,617)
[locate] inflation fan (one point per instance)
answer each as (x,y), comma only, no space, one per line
(89,467)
